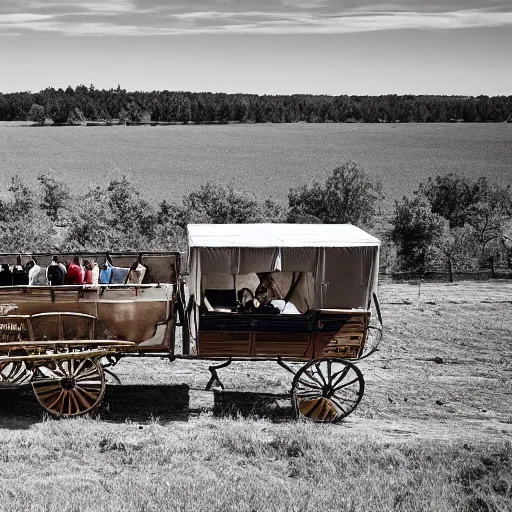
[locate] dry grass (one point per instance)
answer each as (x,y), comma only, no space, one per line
(427,436)
(243,465)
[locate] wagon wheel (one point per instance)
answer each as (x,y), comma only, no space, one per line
(327,389)
(69,387)
(107,362)
(15,372)
(373,339)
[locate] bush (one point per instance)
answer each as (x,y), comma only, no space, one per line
(414,230)
(348,196)
(221,205)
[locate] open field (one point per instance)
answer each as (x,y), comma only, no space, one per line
(430,434)
(167,162)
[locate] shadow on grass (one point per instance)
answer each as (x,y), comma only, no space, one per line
(145,402)
(244,404)
(19,408)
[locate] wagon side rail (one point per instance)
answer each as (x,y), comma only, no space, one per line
(48,350)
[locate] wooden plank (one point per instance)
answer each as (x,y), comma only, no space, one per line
(282,344)
(236,344)
(71,343)
(347,341)
(83,354)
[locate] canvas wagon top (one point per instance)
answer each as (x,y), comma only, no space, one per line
(339,262)
(279,235)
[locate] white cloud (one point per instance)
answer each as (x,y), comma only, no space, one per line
(98,6)
(127,17)
(361,22)
(7,19)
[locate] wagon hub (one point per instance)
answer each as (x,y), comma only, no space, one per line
(68,383)
(327,391)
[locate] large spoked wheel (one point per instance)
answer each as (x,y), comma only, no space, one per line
(71,387)
(327,389)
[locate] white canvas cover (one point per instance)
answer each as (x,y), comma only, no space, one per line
(342,259)
(279,235)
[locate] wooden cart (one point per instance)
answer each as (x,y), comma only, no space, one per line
(67,376)
(328,272)
(62,340)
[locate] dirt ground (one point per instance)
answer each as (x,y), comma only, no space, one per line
(443,371)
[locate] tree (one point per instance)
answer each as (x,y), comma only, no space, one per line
(415,230)
(115,217)
(458,248)
(449,196)
(87,224)
(488,219)
(22,226)
(218,205)
(76,116)
(475,215)
(36,114)
(348,196)
(484,207)
(22,202)
(130,215)
(54,197)
(507,242)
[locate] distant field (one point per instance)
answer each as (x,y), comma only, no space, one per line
(265,160)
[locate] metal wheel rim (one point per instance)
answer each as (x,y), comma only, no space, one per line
(69,388)
(327,389)
(372,342)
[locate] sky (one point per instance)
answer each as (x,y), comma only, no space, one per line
(366,47)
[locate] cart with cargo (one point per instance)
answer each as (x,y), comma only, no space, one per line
(62,340)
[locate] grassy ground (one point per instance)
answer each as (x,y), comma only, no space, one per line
(243,465)
(430,434)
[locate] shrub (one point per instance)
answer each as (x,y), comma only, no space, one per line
(348,196)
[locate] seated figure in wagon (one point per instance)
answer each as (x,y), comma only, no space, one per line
(264,304)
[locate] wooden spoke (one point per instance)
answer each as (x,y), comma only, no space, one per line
(59,368)
(320,374)
(340,376)
(312,378)
(15,372)
(309,385)
(71,387)
(338,405)
(346,384)
(80,366)
(339,394)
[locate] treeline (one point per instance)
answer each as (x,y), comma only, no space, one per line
(90,104)
(450,224)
